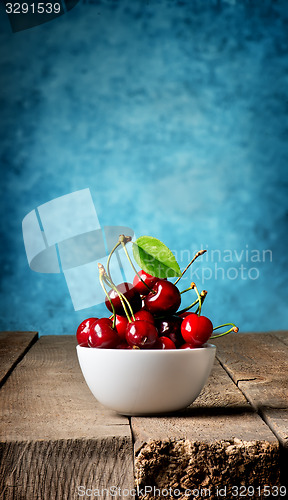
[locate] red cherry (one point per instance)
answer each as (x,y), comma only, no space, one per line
(123,345)
(142,334)
(187,346)
(164,343)
(167,298)
(105,321)
(103,335)
(145,315)
(147,278)
(131,295)
(196,330)
(120,325)
(185,314)
(83,331)
(171,327)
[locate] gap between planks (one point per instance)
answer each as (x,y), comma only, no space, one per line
(54,435)
(195,410)
(264,355)
(13,347)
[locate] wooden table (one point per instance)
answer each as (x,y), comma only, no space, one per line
(58,442)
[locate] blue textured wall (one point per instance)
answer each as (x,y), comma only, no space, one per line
(174,114)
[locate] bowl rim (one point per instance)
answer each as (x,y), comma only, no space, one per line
(195,349)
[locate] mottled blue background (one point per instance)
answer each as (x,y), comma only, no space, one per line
(174,114)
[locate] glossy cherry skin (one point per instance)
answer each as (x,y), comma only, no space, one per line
(196,330)
(103,335)
(121,325)
(185,314)
(105,321)
(164,343)
(83,331)
(131,295)
(171,327)
(145,315)
(147,278)
(166,300)
(187,346)
(141,334)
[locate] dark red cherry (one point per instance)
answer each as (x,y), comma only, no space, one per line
(184,314)
(131,295)
(166,300)
(196,330)
(170,327)
(145,315)
(103,335)
(164,343)
(147,278)
(141,334)
(83,331)
(123,345)
(121,325)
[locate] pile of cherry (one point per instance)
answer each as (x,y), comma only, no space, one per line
(154,324)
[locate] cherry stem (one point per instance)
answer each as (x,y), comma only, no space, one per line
(187,267)
(186,290)
(123,243)
(110,283)
(203,296)
(199,298)
(109,258)
(129,305)
(233,328)
(189,307)
(122,298)
(101,278)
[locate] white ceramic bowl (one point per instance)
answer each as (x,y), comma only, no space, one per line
(145,382)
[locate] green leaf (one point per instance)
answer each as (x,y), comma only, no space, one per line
(155,258)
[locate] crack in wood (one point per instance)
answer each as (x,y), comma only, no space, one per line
(245,380)
(103,458)
(19,358)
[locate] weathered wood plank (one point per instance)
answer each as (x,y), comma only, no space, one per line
(54,435)
(277,419)
(55,438)
(13,346)
(258,365)
(219,441)
(282,335)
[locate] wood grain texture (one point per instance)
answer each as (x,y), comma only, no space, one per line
(277,419)
(218,441)
(258,364)
(54,435)
(282,335)
(13,346)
